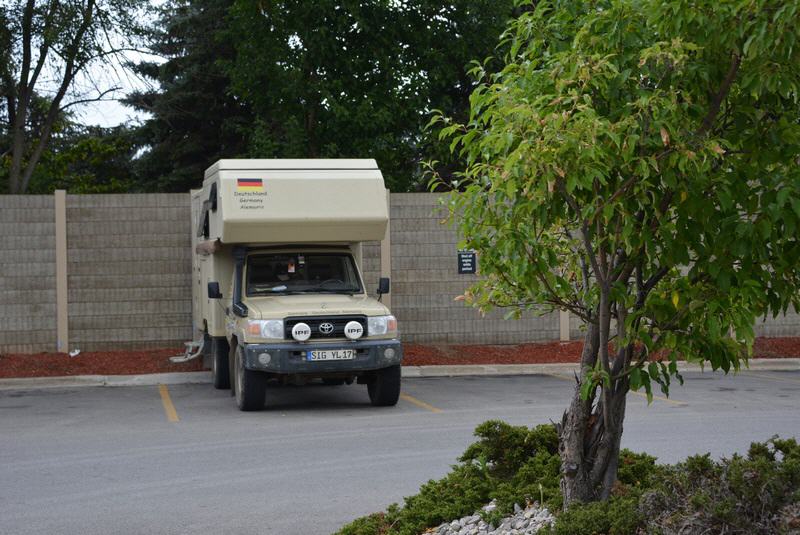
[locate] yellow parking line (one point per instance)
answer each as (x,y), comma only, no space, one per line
(418,403)
(169,408)
(659,398)
(771,377)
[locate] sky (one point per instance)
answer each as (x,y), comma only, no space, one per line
(108,113)
(111,112)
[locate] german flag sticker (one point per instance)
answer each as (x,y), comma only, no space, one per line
(249,184)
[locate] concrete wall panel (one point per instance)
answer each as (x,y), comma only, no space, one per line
(426,283)
(129,262)
(27,273)
(129,266)
(783,325)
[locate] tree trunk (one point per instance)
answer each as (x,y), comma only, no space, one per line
(589,436)
(17,143)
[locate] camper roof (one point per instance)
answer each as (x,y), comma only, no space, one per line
(293,201)
(308,164)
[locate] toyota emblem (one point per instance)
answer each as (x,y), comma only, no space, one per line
(326,328)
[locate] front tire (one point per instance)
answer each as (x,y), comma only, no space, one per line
(384,388)
(250,387)
(219,363)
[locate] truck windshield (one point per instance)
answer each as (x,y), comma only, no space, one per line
(284,273)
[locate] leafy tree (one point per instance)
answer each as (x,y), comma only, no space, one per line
(195,118)
(636,163)
(47,47)
(357,78)
(91,159)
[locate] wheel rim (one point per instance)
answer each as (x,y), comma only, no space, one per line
(214,365)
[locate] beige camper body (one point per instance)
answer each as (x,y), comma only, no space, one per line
(292,202)
(297,201)
(257,214)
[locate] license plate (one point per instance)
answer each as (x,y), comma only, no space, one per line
(331,354)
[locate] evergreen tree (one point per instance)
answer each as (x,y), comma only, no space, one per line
(358,79)
(195,119)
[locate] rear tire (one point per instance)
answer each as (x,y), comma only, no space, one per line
(220,370)
(384,388)
(250,387)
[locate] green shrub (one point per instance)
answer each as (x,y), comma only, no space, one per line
(758,494)
(374,524)
(505,448)
(636,469)
(459,493)
(523,463)
(617,516)
(507,462)
(537,480)
(736,495)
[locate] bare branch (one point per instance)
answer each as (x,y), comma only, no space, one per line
(27,22)
(98,98)
(44,49)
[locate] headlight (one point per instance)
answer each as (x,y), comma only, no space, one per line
(271,329)
(381,325)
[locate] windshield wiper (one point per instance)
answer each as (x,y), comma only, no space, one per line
(330,290)
(275,292)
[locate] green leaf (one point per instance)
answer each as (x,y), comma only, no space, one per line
(635,379)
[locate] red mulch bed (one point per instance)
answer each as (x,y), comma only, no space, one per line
(550,352)
(157,360)
(94,363)
(772,348)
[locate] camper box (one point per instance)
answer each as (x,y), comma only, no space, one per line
(270,202)
(253,218)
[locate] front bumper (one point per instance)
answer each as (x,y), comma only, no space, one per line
(290,358)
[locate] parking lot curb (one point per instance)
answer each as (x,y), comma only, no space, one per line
(457,370)
(774,364)
(71,381)
(452,370)
(780,364)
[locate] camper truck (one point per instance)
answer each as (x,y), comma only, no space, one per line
(278,290)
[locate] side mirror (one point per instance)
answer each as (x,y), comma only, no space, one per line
(383,285)
(213,291)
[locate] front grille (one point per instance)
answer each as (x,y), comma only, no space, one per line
(314,322)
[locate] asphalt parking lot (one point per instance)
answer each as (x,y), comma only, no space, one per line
(183,459)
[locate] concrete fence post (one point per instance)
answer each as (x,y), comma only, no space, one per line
(563,325)
(62,308)
(386,250)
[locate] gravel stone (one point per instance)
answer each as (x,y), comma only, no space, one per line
(527,521)
(491,506)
